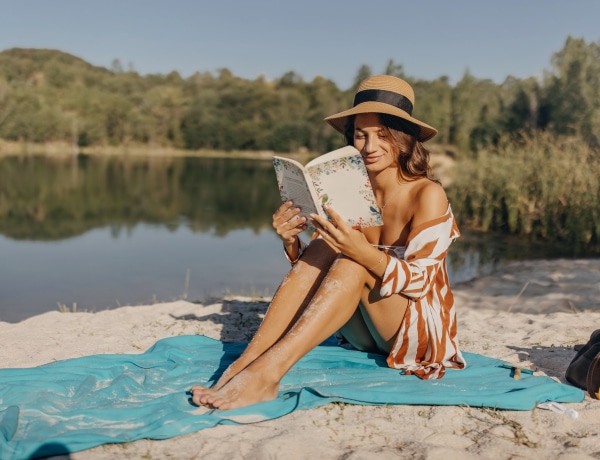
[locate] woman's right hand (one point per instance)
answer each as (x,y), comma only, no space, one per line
(288,224)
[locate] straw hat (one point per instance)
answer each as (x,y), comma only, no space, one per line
(383,94)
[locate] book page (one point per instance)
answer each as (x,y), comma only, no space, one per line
(341,180)
(343,152)
(293,186)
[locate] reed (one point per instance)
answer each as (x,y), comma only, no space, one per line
(542,187)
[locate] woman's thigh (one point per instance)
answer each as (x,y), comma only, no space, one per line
(376,320)
(383,317)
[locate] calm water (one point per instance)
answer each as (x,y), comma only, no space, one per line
(104,232)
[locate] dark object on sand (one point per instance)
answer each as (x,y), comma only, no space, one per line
(584,370)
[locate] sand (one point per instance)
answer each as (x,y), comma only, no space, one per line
(530,314)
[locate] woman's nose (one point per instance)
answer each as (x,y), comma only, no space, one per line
(371,143)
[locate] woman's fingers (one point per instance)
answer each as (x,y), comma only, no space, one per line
(335,219)
(293,226)
(284,212)
(338,233)
(287,223)
(296,221)
(326,229)
(320,223)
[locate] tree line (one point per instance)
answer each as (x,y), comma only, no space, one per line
(48,95)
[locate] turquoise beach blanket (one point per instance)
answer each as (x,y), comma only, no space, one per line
(76,404)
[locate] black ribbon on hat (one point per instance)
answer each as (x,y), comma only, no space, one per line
(387,97)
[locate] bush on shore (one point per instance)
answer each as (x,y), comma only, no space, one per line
(542,186)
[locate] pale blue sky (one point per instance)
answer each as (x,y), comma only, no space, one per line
(331,38)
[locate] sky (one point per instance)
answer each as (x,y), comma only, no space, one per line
(329,38)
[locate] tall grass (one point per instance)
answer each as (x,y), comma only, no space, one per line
(542,187)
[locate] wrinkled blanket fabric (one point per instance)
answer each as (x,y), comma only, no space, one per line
(80,403)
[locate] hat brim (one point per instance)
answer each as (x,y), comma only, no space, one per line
(338,120)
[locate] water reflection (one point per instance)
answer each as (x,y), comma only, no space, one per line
(104,231)
(46,199)
(475,254)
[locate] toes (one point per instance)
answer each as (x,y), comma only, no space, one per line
(209,399)
(220,403)
(198,388)
(200,395)
(206,399)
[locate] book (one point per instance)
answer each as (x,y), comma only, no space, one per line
(338,179)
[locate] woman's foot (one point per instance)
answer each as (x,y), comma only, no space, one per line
(200,393)
(246,388)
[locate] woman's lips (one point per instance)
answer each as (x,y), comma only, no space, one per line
(371,159)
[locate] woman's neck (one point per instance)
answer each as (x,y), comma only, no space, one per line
(386,179)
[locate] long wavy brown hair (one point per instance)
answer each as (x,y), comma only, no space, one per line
(412,157)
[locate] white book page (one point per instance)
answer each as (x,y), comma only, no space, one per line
(293,186)
(340,180)
(343,152)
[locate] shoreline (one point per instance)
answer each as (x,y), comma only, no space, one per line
(442,157)
(67,150)
(538,286)
(495,319)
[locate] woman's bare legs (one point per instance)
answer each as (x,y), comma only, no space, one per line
(331,307)
(291,298)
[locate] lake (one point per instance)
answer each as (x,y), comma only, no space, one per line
(92,232)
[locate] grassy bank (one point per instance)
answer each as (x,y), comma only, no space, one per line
(543,187)
(64,149)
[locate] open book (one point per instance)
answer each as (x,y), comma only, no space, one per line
(338,179)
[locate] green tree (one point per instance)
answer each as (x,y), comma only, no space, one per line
(324,99)
(433,103)
(476,105)
(521,105)
(395,70)
(363,72)
(571,103)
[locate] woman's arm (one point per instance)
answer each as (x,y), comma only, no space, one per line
(432,231)
(426,249)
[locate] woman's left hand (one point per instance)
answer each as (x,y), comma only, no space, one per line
(339,235)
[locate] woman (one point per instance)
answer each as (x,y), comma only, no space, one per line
(384,289)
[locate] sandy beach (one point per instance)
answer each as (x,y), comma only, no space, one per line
(530,314)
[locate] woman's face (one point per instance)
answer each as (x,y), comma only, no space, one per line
(371,140)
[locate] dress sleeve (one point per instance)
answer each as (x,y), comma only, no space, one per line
(426,249)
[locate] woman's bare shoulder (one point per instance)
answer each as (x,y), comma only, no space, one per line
(431,201)
(427,191)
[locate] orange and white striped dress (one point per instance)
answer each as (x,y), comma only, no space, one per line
(427,342)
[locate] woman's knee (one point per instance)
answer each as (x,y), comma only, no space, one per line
(349,266)
(317,258)
(318,249)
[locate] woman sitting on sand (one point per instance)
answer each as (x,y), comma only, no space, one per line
(384,289)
